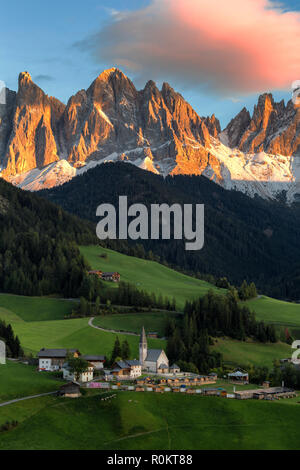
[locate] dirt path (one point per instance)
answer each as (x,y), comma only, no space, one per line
(111,331)
(26,398)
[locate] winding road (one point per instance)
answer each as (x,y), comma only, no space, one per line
(16,400)
(110,331)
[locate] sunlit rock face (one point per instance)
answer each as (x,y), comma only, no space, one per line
(32,142)
(44,143)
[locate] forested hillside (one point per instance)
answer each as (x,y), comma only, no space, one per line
(38,245)
(245,238)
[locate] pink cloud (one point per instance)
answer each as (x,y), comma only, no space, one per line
(237,46)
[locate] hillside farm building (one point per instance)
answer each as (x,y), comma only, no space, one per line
(113,277)
(84,377)
(70,390)
(53,359)
(96,361)
(130,369)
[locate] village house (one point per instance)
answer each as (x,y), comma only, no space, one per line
(53,359)
(152,360)
(132,369)
(70,390)
(96,361)
(113,276)
(84,377)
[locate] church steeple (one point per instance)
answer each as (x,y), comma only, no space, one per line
(143,347)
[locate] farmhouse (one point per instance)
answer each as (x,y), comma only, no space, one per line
(113,277)
(152,360)
(53,359)
(70,390)
(131,369)
(96,273)
(96,361)
(85,376)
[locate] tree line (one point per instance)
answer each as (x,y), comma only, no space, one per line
(12,342)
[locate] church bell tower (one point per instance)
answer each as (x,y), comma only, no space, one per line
(143,347)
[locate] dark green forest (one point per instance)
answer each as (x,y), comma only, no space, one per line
(38,245)
(245,238)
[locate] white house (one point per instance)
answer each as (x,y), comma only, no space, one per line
(53,359)
(86,376)
(96,361)
(128,368)
(152,360)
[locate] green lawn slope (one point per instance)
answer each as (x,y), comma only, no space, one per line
(135,421)
(34,308)
(148,275)
(20,380)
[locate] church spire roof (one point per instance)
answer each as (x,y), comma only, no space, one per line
(143,339)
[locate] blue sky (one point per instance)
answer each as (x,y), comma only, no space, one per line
(39,37)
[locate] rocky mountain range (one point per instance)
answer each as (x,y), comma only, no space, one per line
(44,143)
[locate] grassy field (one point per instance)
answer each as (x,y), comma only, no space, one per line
(151,421)
(244,353)
(74,333)
(21,308)
(276,311)
(135,321)
(148,275)
(19,380)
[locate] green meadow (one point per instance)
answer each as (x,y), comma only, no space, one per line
(135,421)
(133,322)
(73,333)
(148,275)
(20,380)
(242,353)
(29,309)
(275,311)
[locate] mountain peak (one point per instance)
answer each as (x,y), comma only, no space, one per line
(25,78)
(108,73)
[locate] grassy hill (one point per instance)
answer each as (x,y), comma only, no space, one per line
(147,275)
(276,311)
(240,353)
(151,421)
(154,321)
(21,380)
(74,333)
(18,307)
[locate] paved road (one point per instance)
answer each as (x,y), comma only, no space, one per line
(110,331)
(27,398)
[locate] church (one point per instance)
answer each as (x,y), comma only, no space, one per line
(152,360)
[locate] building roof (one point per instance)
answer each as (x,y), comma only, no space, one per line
(134,362)
(110,274)
(70,386)
(122,365)
(174,366)
(163,366)
(153,355)
(94,358)
(57,353)
(238,373)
